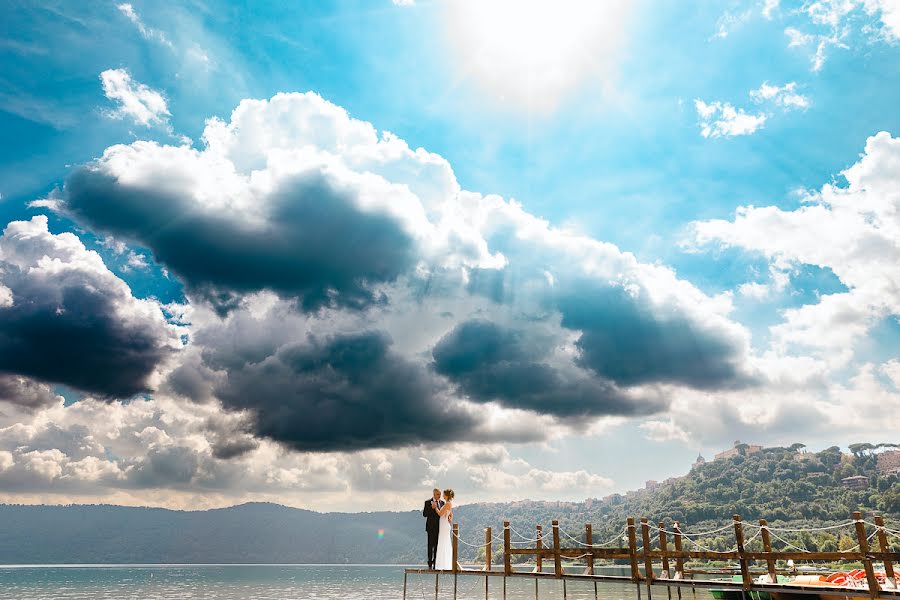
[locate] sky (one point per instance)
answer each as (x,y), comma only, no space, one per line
(334,254)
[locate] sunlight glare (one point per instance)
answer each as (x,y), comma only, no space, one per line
(533,52)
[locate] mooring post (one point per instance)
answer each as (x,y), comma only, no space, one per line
(454,546)
(767,547)
(864,549)
(746,581)
(405,576)
(665,559)
(539,562)
(589,540)
(436,586)
(504,587)
(632,553)
(648,560)
(488,543)
(507,546)
(557,559)
(540,546)
(663,547)
(679,561)
(565,595)
(883,544)
(455,577)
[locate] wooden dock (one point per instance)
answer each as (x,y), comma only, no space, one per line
(661,565)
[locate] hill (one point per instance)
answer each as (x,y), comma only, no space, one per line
(783,485)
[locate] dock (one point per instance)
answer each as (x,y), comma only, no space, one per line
(653,563)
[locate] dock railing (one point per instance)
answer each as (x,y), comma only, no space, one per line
(649,559)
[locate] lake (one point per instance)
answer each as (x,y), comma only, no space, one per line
(275,582)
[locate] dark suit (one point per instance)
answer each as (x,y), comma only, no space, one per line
(432,526)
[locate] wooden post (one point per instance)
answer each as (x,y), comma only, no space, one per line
(663,547)
(455,582)
(405,576)
(557,559)
(454,546)
(864,548)
(540,546)
(488,544)
(767,547)
(436,586)
(679,562)
(648,560)
(507,557)
(589,540)
(883,544)
(632,552)
(747,581)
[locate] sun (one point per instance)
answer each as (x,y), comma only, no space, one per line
(532,53)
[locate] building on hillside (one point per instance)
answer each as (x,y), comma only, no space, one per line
(738,449)
(651,484)
(700,461)
(889,463)
(670,481)
(857,482)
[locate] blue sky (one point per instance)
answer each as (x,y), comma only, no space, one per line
(607,143)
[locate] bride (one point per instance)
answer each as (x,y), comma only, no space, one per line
(444,559)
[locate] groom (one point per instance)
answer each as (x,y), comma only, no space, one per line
(432,523)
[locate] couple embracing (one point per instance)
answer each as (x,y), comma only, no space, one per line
(438,513)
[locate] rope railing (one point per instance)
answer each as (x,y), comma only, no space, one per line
(476,546)
(645,547)
(586,545)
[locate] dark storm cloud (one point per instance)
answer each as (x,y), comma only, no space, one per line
(490,362)
(346,392)
(313,240)
(626,340)
(76,338)
(65,318)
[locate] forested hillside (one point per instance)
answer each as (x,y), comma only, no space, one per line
(783,485)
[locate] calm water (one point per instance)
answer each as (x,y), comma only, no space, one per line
(271,582)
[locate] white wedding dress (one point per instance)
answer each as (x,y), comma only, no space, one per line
(444,559)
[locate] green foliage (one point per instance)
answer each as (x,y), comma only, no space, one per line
(782,485)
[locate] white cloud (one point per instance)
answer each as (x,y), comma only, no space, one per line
(404,2)
(162,452)
(721,119)
(891,370)
(664,431)
(148,33)
(729,22)
(889,11)
(769,7)
(852,230)
(142,104)
(785,96)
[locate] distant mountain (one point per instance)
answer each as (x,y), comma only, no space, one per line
(784,485)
